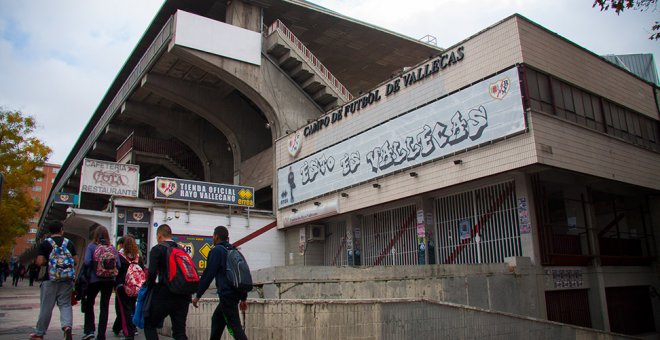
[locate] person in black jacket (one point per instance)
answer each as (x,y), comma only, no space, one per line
(164,303)
(226,313)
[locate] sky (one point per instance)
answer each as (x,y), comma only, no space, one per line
(58,58)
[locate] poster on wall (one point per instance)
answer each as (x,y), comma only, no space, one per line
(523,216)
(197,247)
(465,229)
(481,113)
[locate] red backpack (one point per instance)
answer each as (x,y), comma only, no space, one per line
(182,275)
(105,261)
(135,277)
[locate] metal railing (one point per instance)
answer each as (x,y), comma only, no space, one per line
(171,149)
(311,58)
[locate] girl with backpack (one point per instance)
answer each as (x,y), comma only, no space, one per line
(130,278)
(102,262)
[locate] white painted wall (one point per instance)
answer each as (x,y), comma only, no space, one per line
(267,250)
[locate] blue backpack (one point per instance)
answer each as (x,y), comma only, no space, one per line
(61,266)
(238,272)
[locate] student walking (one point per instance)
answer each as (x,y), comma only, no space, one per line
(16,274)
(130,278)
(226,313)
(33,272)
(59,254)
(165,302)
(102,263)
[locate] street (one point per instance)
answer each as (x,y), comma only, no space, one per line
(19,310)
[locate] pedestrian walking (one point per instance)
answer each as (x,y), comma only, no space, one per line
(226,313)
(33,272)
(2,272)
(165,302)
(22,270)
(116,326)
(102,263)
(59,255)
(130,278)
(15,275)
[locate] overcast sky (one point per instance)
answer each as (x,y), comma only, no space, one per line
(58,58)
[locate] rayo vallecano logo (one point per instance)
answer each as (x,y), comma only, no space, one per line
(500,88)
(138,215)
(166,187)
(295,142)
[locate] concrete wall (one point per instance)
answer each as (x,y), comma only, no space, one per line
(508,288)
(382,319)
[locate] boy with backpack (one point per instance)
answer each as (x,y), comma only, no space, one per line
(102,264)
(177,280)
(233,280)
(59,254)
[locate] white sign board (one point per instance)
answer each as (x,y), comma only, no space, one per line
(483,112)
(108,178)
(216,37)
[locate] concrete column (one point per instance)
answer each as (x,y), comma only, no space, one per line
(529,241)
(597,296)
(244,15)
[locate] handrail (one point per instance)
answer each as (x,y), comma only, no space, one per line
(302,49)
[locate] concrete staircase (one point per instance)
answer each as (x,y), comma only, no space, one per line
(304,68)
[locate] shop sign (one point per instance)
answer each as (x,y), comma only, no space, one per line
(327,208)
(66,198)
(205,192)
(108,178)
(486,111)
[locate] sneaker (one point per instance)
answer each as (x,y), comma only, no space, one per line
(67,333)
(88,336)
(36,336)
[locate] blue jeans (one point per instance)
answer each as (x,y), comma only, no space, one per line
(55,292)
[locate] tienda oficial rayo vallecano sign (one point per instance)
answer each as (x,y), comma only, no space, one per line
(486,111)
(108,178)
(207,192)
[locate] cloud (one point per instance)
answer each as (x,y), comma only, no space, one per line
(58,58)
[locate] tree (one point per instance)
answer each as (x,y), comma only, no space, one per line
(21,157)
(619,6)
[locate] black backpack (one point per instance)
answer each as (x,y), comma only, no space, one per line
(238,272)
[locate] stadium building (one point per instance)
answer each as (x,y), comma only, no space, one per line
(512,171)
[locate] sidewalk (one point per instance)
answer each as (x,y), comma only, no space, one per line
(19,310)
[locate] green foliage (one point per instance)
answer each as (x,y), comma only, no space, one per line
(21,157)
(619,6)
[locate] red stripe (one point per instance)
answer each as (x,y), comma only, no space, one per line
(255,234)
(394,239)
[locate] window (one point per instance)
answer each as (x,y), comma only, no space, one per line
(40,179)
(31,241)
(56,170)
(33,230)
(553,96)
(36,188)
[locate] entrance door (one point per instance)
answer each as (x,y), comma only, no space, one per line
(141,235)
